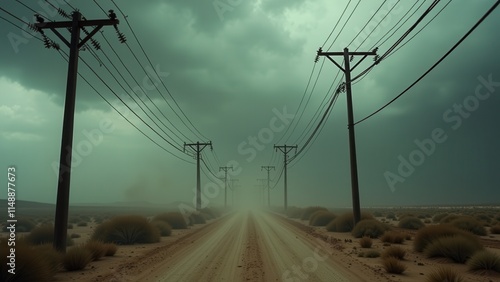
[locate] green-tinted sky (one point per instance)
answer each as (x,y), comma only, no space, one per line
(238,71)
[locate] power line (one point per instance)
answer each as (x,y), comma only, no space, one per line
(355,7)
(338,21)
(371,18)
(435,64)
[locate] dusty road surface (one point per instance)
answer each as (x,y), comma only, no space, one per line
(246,246)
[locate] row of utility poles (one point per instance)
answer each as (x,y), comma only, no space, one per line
(75,26)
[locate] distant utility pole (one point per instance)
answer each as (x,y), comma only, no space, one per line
(263,189)
(62,203)
(285,150)
(198,147)
(233,189)
(268,168)
(350,116)
(225,169)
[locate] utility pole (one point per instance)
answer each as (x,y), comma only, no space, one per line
(268,168)
(233,189)
(74,44)
(285,150)
(350,118)
(198,147)
(263,189)
(225,169)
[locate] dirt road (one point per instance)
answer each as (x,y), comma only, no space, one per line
(246,246)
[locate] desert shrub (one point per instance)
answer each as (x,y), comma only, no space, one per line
(449,218)
(32,264)
(75,235)
(393,237)
(365,242)
(428,234)
(369,227)
(427,221)
(391,216)
(405,215)
(44,234)
(76,258)
(457,248)
(22,225)
(484,261)
(438,217)
(394,251)
(126,230)
(82,223)
(393,265)
(470,224)
(483,217)
(377,214)
(97,249)
(444,274)
(411,222)
(197,218)
(321,218)
(369,254)
(307,212)
(110,249)
(52,257)
(495,229)
(345,222)
(174,219)
(163,227)
(211,212)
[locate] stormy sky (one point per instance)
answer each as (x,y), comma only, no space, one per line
(237,75)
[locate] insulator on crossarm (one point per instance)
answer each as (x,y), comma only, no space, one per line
(46,41)
(33,27)
(95,43)
(63,13)
(112,15)
(376,59)
(121,36)
(317,54)
(54,45)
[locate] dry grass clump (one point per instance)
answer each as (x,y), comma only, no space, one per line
(164,228)
(495,229)
(457,248)
(174,219)
(395,252)
(345,222)
(484,261)
(438,217)
(449,218)
(76,258)
(197,218)
(126,230)
(110,249)
(22,225)
(393,265)
(369,254)
(32,263)
(44,234)
(428,234)
(307,212)
(444,274)
(411,222)
(97,249)
(470,224)
(321,218)
(366,242)
(393,237)
(391,216)
(369,227)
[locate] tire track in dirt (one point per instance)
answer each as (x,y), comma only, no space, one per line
(252,257)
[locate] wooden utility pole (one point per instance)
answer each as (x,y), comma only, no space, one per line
(225,169)
(268,168)
(62,203)
(285,149)
(198,147)
(350,119)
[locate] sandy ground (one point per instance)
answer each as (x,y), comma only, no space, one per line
(257,246)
